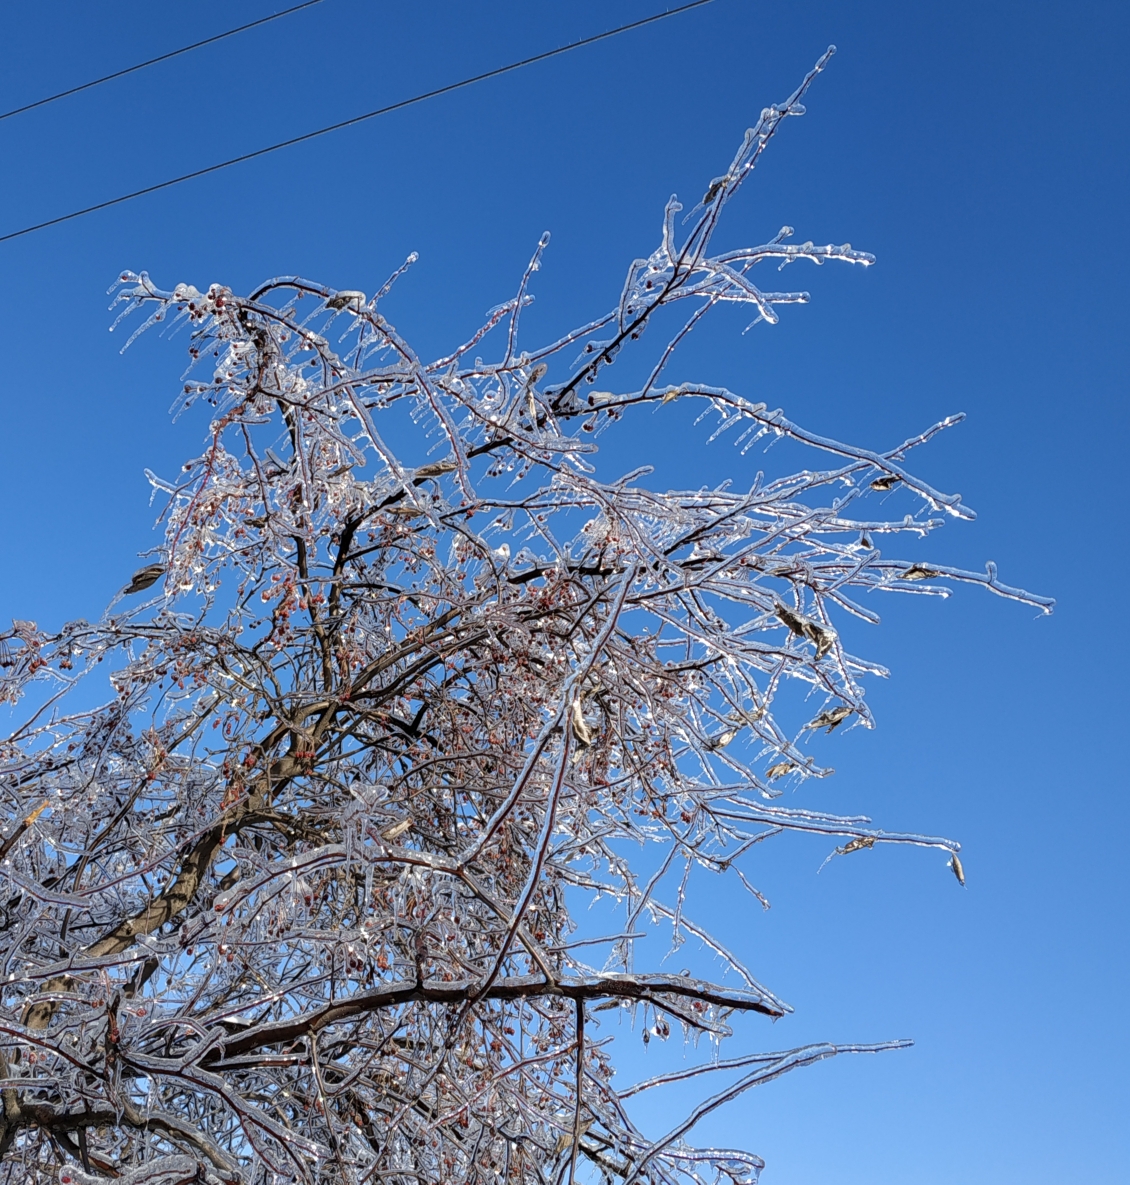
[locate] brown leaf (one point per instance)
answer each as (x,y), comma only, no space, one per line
(887,482)
(805,628)
(856,845)
(795,623)
(143,578)
(821,636)
(344,298)
(716,187)
(831,719)
(437,467)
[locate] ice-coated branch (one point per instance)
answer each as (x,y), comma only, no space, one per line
(339,880)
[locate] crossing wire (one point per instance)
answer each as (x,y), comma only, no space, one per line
(174,53)
(346,123)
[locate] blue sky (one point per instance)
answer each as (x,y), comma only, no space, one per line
(979,150)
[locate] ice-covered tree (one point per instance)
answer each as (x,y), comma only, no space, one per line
(404,688)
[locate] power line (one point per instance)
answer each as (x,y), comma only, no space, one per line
(74,90)
(346,123)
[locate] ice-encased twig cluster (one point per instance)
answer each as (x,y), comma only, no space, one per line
(301,901)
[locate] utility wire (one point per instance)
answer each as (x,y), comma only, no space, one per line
(74,90)
(346,123)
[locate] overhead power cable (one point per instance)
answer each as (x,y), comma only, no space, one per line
(346,123)
(175,53)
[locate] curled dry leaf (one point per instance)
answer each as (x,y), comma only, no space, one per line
(144,578)
(832,718)
(437,468)
(581,729)
(856,845)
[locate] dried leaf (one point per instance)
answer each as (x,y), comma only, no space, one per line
(565,1140)
(823,637)
(143,578)
(436,468)
(831,719)
(958,870)
(804,627)
(345,298)
(581,729)
(856,845)
(919,572)
(715,188)
(722,739)
(792,620)
(397,829)
(36,813)
(887,482)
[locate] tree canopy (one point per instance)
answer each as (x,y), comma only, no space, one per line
(405,687)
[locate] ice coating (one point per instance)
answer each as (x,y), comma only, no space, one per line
(395,700)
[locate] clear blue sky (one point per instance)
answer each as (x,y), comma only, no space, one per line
(980,151)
